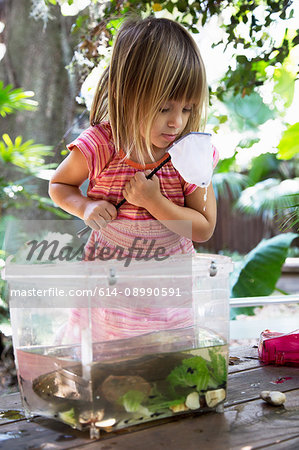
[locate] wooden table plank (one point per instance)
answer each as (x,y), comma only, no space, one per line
(12,401)
(290,444)
(247,358)
(253,424)
(245,386)
(247,420)
(40,434)
(10,407)
(240,425)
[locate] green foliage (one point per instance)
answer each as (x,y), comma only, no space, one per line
(289,143)
(284,85)
(249,72)
(193,372)
(12,100)
(217,368)
(132,400)
(262,166)
(22,154)
(268,198)
(68,416)
(228,184)
(258,274)
(247,112)
(19,160)
(199,373)
(291,216)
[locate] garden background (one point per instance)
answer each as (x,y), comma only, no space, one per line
(51,54)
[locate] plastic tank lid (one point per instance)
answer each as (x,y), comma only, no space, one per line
(174,266)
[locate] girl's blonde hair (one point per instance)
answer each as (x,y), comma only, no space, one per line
(153,61)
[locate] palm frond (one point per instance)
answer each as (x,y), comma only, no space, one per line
(269,198)
(12,100)
(229,184)
(22,154)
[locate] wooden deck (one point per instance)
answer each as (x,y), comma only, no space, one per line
(247,423)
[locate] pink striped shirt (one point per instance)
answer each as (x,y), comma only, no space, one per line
(109,171)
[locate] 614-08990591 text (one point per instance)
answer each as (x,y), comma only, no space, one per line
(98,291)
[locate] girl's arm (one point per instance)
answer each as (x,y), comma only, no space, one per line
(64,191)
(198,212)
(201,214)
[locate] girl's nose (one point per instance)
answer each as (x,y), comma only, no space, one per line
(175,121)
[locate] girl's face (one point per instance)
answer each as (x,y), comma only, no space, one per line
(169,123)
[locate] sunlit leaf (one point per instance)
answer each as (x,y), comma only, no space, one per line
(12,100)
(284,85)
(23,154)
(289,143)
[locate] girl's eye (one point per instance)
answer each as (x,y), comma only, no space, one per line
(164,110)
(188,110)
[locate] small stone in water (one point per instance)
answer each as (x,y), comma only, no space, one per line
(179,408)
(106,423)
(214,397)
(192,400)
(275,398)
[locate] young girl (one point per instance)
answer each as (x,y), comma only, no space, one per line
(153,92)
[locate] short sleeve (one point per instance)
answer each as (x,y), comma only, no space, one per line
(96,145)
(188,188)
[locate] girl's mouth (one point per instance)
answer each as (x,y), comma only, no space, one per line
(169,137)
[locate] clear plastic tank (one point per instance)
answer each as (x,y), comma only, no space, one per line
(102,346)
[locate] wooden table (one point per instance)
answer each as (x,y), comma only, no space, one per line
(247,423)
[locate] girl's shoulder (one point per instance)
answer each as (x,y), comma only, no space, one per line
(96,144)
(100,134)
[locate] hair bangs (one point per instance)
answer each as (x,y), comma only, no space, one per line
(188,86)
(188,77)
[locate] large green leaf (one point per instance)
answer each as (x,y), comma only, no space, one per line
(261,268)
(261,166)
(247,113)
(285,85)
(289,143)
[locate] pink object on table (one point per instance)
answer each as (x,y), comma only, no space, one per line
(279,348)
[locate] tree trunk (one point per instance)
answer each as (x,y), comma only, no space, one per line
(35,60)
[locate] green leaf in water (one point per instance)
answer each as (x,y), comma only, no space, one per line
(68,417)
(192,373)
(132,400)
(218,368)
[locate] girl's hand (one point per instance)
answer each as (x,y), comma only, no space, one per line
(143,192)
(99,213)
